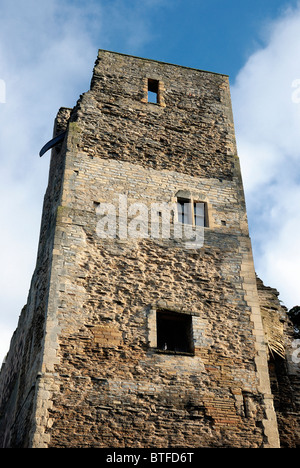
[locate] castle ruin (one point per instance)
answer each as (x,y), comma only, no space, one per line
(145,324)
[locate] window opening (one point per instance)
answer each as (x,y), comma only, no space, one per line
(199,214)
(153,91)
(193,213)
(183,208)
(174,332)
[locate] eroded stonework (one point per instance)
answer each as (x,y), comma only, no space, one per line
(89,371)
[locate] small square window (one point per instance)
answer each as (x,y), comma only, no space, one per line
(174,332)
(153,91)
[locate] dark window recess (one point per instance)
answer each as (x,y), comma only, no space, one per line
(153,91)
(174,332)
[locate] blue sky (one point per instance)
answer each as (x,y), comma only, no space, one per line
(214,35)
(47,54)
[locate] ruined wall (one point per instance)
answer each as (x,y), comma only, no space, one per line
(283,367)
(21,369)
(102,380)
(186,132)
(115,388)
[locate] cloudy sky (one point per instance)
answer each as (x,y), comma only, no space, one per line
(47,53)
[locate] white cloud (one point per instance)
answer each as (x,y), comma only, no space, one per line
(267,120)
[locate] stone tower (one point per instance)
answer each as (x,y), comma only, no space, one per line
(143,326)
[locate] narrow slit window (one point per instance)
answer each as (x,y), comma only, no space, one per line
(183,210)
(153,91)
(174,332)
(199,214)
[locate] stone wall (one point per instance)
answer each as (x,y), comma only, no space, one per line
(284,370)
(193,128)
(102,382)
(21,370)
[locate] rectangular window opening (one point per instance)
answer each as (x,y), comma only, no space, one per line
(183,210)
(174,332)
(153,91)
(199,214)
(191,212)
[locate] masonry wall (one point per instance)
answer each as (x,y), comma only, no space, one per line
(102,381)
(283,367)
(21,370)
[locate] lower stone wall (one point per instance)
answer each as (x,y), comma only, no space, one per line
(284,371)
(114,388)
